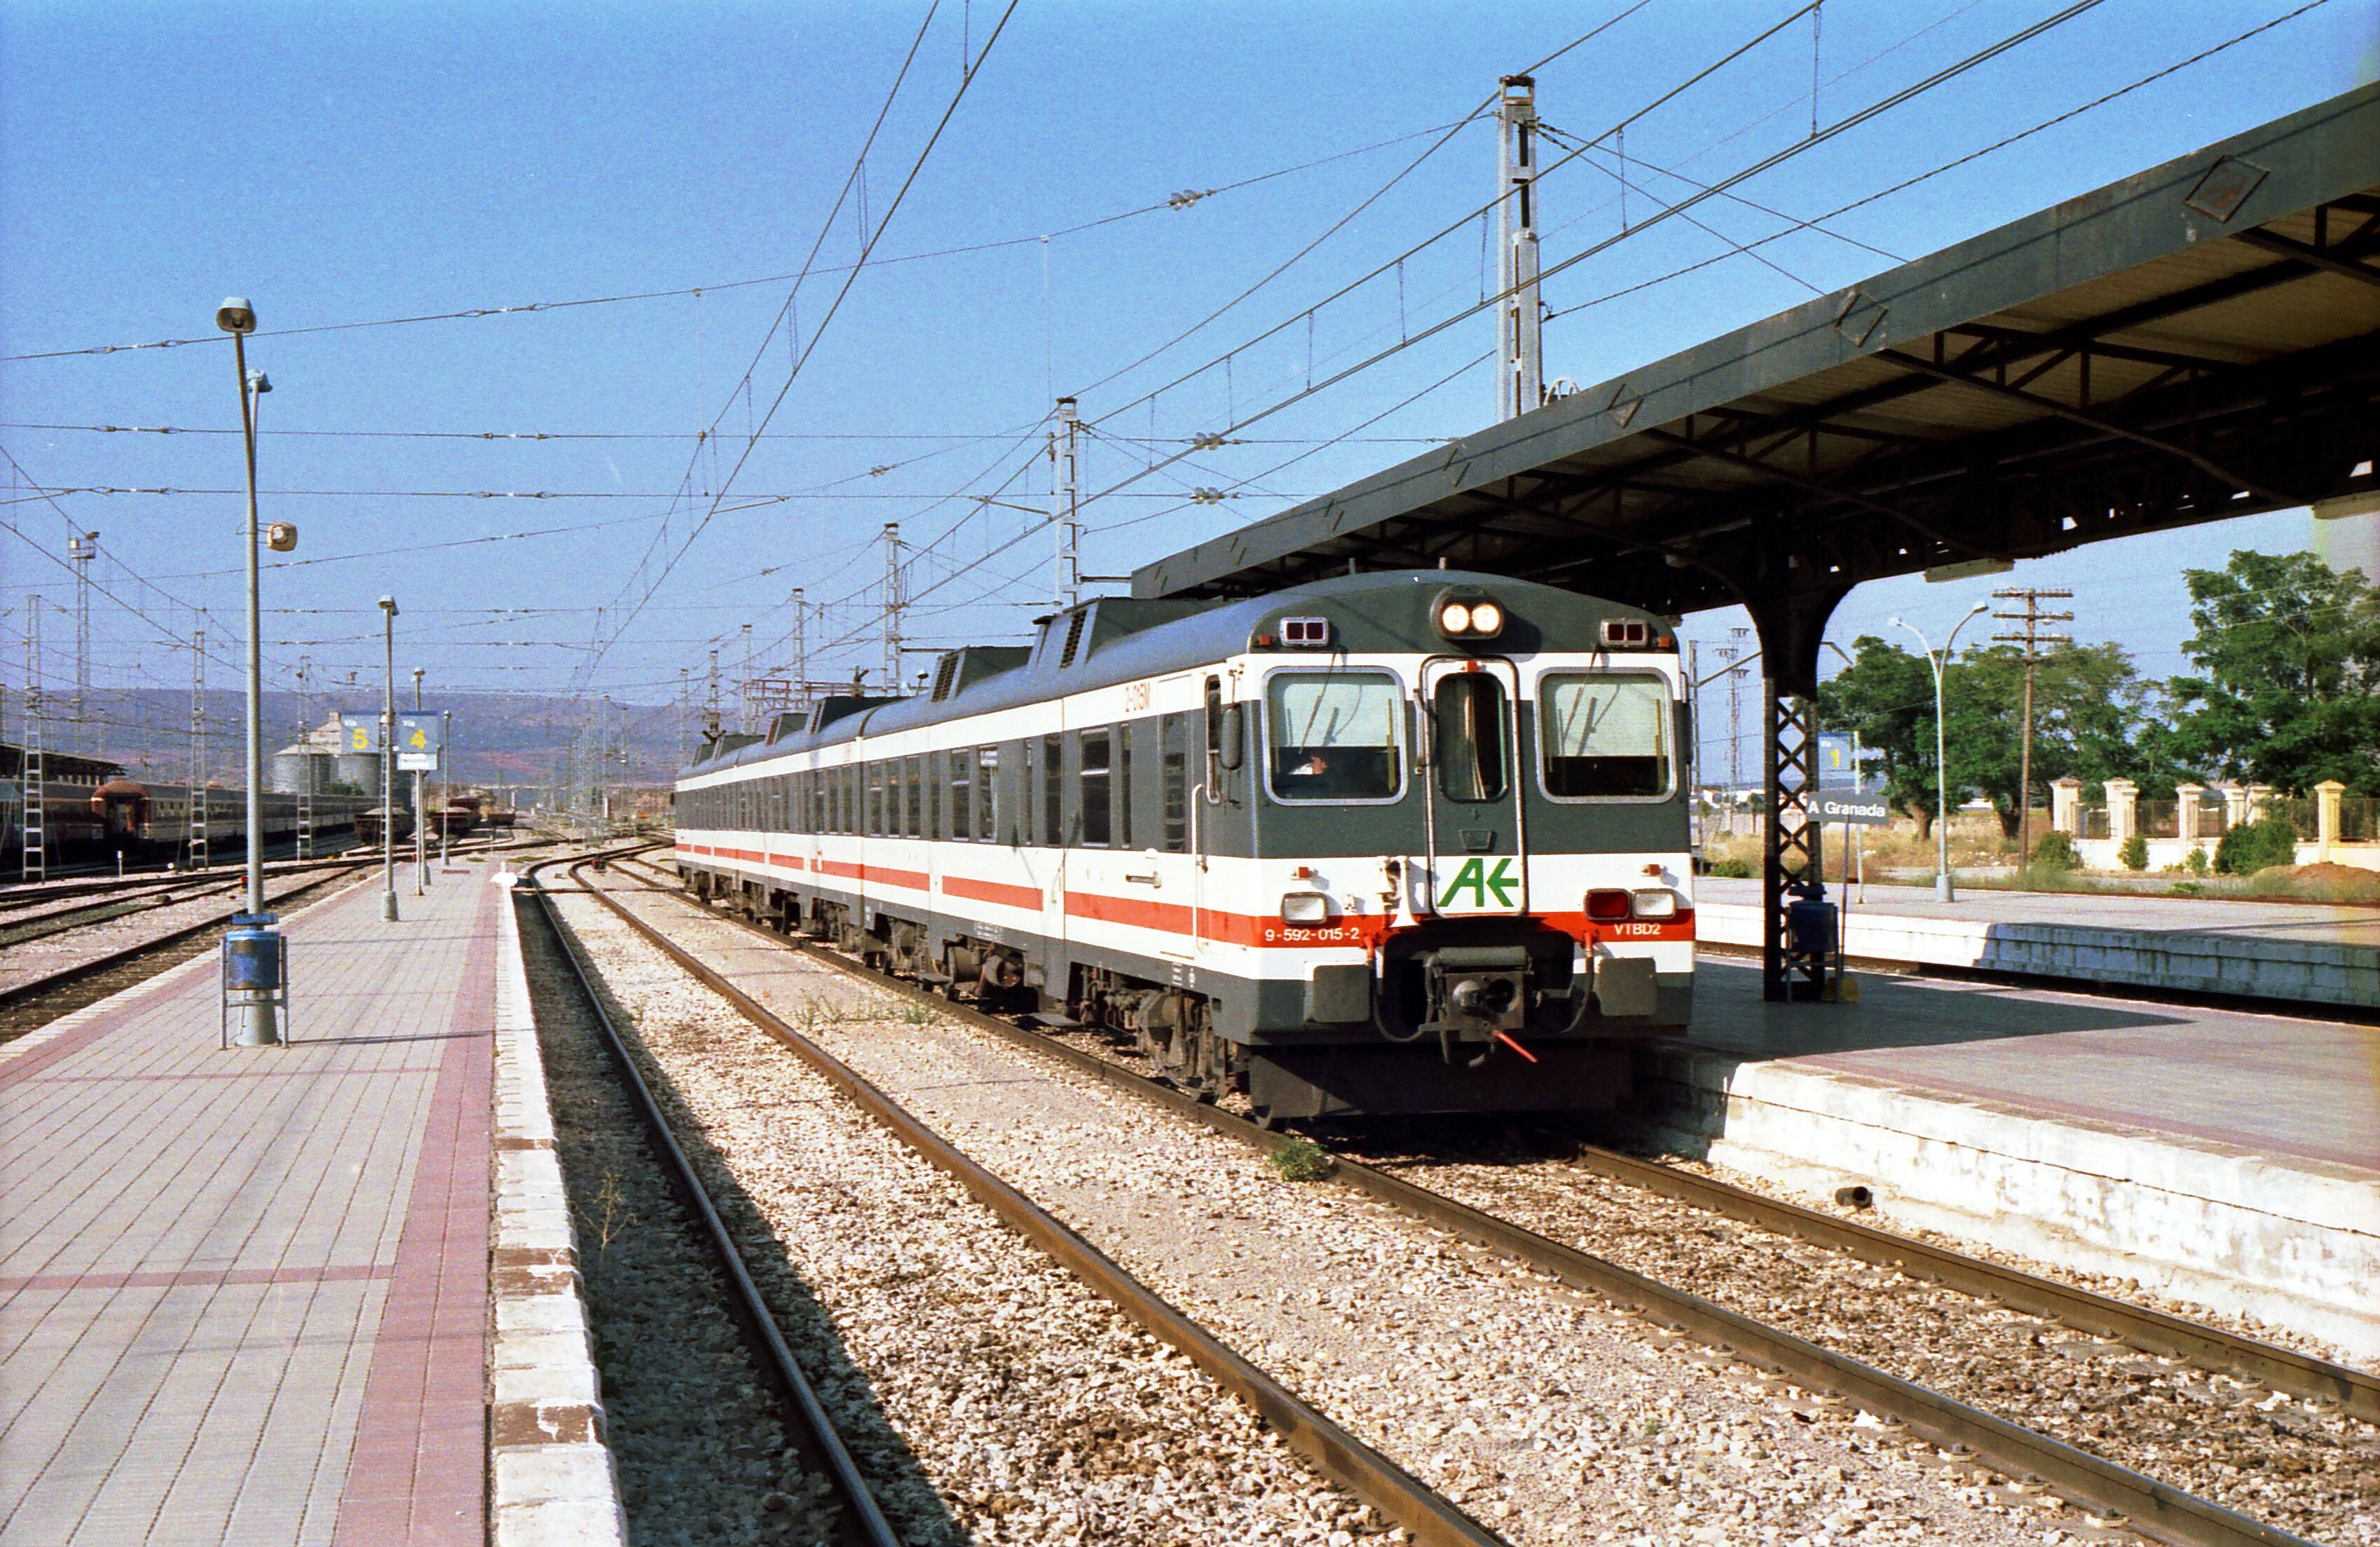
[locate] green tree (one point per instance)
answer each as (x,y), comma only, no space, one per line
(2089,707)
(2288,686)
(1886,697)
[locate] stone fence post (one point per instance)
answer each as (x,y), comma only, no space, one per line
(2259,802)
(2066,805)
(2326,812)
(2123,810)
(2185,800)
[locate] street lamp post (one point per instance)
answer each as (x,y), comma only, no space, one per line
(255,949)
(420,838)
(1943,891)
(445,783)
(388,762)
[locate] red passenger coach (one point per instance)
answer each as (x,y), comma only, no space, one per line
(1404,842)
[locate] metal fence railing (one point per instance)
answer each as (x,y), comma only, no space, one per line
(2302,814)
(2159,819)
(2213,819)
(2359,819)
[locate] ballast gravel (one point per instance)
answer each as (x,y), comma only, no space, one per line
(988,1394)
(696,1436)
(2284,1460)
(1548,1417)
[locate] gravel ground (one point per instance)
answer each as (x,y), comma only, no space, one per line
(989,1395)
(695,1432)
(1545,1414)
(36,959)
(2264,1454)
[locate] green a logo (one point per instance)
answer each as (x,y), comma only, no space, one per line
(1481,881)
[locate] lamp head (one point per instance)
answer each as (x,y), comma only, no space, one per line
(388,605)
(234,315)
(259,382)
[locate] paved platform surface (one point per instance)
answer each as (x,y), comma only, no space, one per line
(2222,1156)
(243,1294)
(2311,922)
(2272,1085)
(2284,952)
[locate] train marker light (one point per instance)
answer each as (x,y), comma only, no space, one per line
(1305,907)
(1607,905)
(1656,902)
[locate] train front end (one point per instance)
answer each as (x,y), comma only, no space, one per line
(1466,841)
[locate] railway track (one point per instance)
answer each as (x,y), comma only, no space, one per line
(858,1522)
(34,1001)
(1426,1515)
(2032,1460)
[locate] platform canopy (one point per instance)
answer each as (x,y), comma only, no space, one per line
(2197,341)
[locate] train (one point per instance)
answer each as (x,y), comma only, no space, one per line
(142,818)
(1399,841)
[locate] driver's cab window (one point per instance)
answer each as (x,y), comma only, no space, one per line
(1468,714)
(1332,735)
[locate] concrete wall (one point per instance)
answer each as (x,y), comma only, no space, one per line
(2296,1245)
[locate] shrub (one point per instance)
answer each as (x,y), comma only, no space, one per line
(2194,861)
(2257,846)
(1302,1160)
(2135,853)
(1738,869)
(2054,855)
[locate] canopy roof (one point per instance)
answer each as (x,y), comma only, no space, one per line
(2196,341)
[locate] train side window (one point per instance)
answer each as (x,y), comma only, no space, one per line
(1123,736)
(874,821)
(987,793)
(962,787)
(1174,754)
(935,769)
(1053,791)
(914,780)
(1093,787)
(1332,737)
(1604,738)
(1029,777)
(1214,787)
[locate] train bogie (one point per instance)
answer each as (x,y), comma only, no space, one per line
(1327,847)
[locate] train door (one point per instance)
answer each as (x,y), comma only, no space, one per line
(1477,862)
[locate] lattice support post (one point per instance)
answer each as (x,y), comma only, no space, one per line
(1792,869)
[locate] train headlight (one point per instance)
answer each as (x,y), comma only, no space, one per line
(1467,619)
(1305,907)
(1656,902)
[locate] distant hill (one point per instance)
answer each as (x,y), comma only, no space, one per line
(502,739)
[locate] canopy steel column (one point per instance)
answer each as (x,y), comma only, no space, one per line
(1791,627)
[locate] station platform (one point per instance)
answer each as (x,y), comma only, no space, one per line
(2290,953)
(245,1294)
(2226,1157)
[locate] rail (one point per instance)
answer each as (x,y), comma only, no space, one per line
(2155,1509)
(860,1522)
(1428,1516)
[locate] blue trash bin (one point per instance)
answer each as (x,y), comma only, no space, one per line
(255,969)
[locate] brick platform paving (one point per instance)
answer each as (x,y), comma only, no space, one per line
(243,1294)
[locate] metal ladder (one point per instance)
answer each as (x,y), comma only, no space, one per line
(197,807)
(36,857)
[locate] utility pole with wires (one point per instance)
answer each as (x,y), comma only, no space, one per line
(711,712)
(1733,653)
(2036,643)
(743,706)
(684,707)
(801,652)
(1065,491)
(82,547)
(1520,377)
(894,602)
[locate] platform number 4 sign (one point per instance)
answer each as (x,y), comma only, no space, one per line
(416,742)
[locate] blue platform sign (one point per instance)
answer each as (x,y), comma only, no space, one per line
(418,743)
(358,733)
(1837,769)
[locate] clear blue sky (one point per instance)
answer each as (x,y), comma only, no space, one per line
(350,165)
